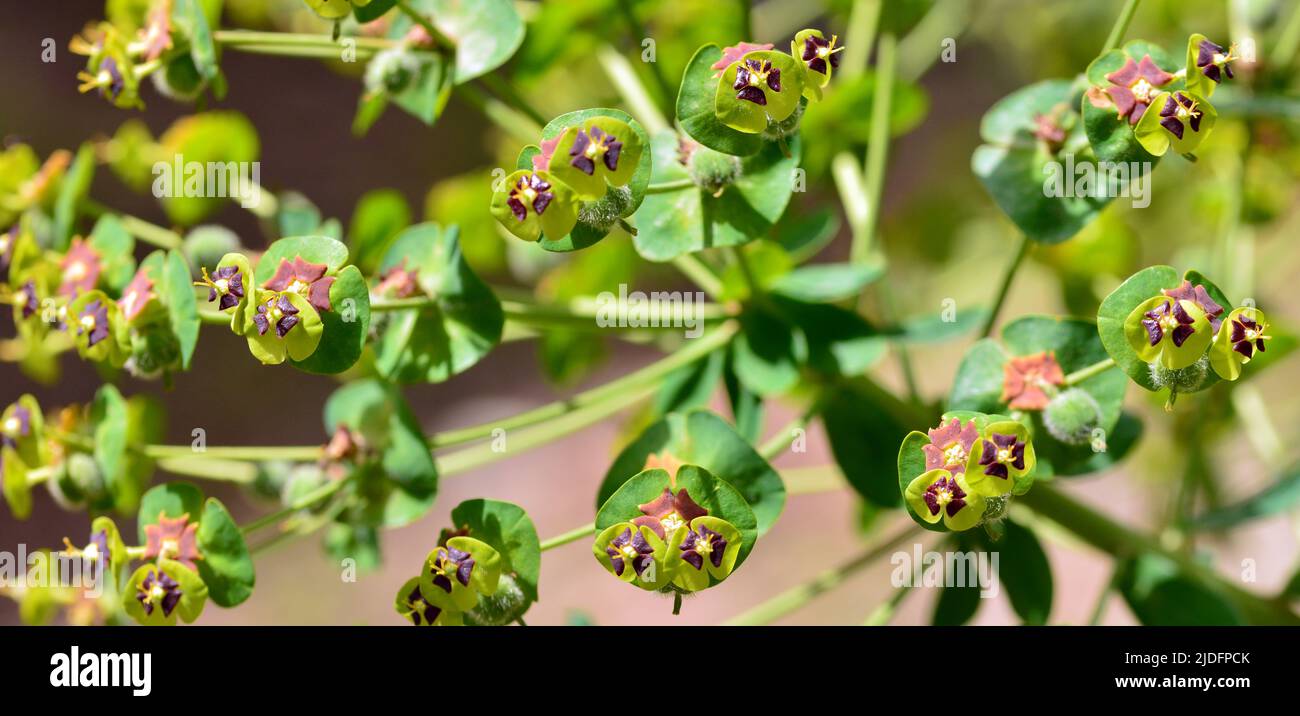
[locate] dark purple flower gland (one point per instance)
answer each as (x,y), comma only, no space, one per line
(818,51)
(98,548)
(305,279)
(751,76)
(630,546)
(668,512)
(529,191)
(173,538)
(158,591)
(1004,450)
(422,612)
(1135,85)
(701,544)
(1198,295)
(1214,61)
(94,322)
(586,148)
(18,425)
(137,295)
(112,79)
(1179,107)
(1169,317)
(278,311)
(944,494)
(448,562)
(225,285)
(1247,336)
(80,268)
(25,299)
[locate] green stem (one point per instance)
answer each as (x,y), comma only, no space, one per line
(1099,609)
(738,257)
(886,611)
(677,603)
(629,85)
(1116,35)
(513,122)
(310,499)
(1005,287)
(439,39)
(253,453)
(670,186)
(236,471)
(1119,541)
(1083,374)
(746,20)
(572,535)
(699,273)
(299,44)
(669,96)
(796,597)
(513,97)
(1288,42)
(780,440)
(878,148)
(864,18)
(149,233)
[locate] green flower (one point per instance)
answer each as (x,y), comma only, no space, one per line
(231,288)
(597,151)
(283,325)
(1208,64)
(1002,456)
(456,573)
(634,554)
(940,495)
(762,87)
(413,607)
(1175,119)
(820,57)
(1170,331)
(1242,334)
(707,548)
(97,328)
(159,593)
(531,204)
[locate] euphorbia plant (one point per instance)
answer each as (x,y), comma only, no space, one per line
(717,188)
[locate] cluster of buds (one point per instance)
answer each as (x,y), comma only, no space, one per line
(973,462)
(147,42)
(456,576)
(1183,333)
(581,172)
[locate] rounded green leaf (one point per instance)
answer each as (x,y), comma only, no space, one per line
(508,529)
(695,108)
(172,500)
(344,328)
(226,567)
(313,249)
(1115,310)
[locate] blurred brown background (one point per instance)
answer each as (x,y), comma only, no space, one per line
(303,110)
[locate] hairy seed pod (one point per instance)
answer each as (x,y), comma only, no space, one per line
(605,212)
(712,171)
(1072,416)
(504,606)
(1182,380)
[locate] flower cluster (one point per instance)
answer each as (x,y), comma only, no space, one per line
(455,576)
(1183,331)
(759,88)
(966,468)
(674,545)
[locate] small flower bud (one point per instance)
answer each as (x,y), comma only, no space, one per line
(1072,416)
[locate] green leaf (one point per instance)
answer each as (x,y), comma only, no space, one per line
(700,437)
(382,418)
(1160,595)
(911,465)
(1023,569)
(678,222)
(691,386)
(116,248)
(202,140)
(372,11)
(345,327)
(380,215)
(1278,497)
(805,233)
(696,113)
(182,307)
(825,283)
(452,333)
(109,415)
(1013,164)
(1112,137)
(486,32)
(831,339)
(1115,309)
(226,567)
(72,191)
(747,407)
(864,434)
(712,493)
(509,530)
(978,383)
(193,23)
(765,355)
(171,499)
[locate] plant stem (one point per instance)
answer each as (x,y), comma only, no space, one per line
(885,612)
(1119,541)
(513,122)
(1117,31)
(1083,374)
(310,499)
(670,186)
(149,233)
(1005,288)
(738,257)
(513,97)
(677,603)
(852,190)
(300,44)
(254,453)
(792,599)
(878,147)
(1288,42)
(639,34)
(700,274)
(439,39)
(864,18)
(572,535)
(634,93)
(1099,609)
(780,440)
(236,471)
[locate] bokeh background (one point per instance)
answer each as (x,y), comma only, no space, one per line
(944,237)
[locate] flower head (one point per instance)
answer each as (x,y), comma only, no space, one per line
(629,549)
(80,268)
(137,295)
(7,242)
(1003,455)
(92,322)
(1169,319)
(25,299)
(939,495)
(668,513)
(1179,110)
(1247,336)
(173,538)
(158,591)
(530,191)
(1213,61)
(592,145)
(753,78)
(820,54)
(1244,333)
(456,573)
(1135,85)
(16,425)
(225,285)
(412,605)
(1027,380)
(276,311)
(1198,295)
(305,279)
(705,551)
(950,445)
(635,554)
